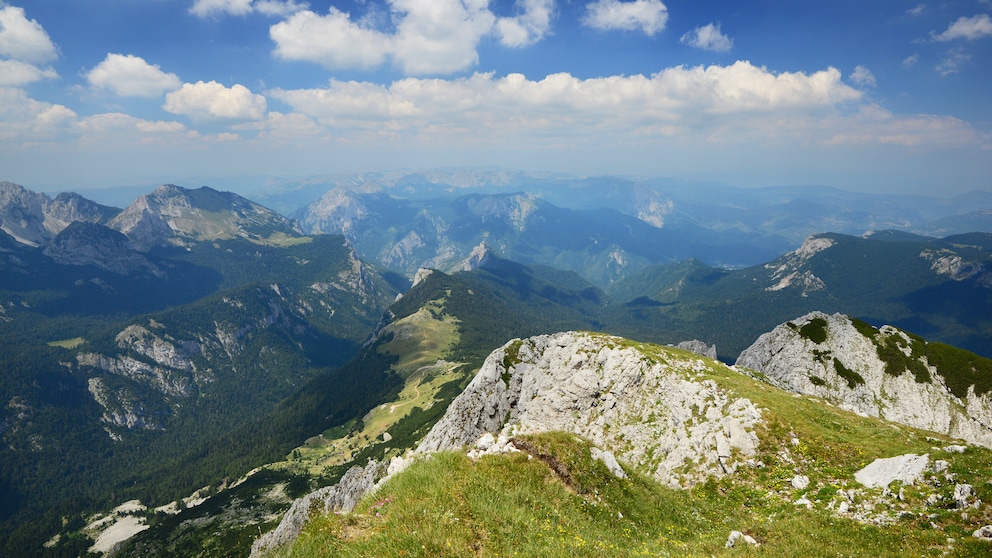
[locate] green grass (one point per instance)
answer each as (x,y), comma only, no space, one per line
(67,343)
(555,500)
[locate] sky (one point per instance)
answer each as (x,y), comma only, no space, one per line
(878,96)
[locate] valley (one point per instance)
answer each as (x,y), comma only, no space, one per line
(216,361)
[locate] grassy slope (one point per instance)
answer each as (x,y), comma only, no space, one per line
(514,505)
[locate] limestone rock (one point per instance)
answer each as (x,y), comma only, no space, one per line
(906,468)
(845,369)
(342,497)
(650,414)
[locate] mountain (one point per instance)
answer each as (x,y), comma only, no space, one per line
(938,288)
(881,372)
(33,218)
(143,369)
(176,216)
(82,243)
(601,244)
(577,443)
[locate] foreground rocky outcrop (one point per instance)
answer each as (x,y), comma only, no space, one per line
(653,409)
(882,372)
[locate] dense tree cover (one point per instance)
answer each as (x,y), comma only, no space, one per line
(297,318)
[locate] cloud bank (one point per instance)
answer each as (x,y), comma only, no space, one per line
(430,36)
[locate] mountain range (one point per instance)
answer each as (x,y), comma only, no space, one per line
(196,335)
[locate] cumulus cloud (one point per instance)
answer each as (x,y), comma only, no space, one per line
(910,60)
(23,119)
(649,16)
(206,8)
(678,100)
(863,76)
(14,73)
(213,101)
(430,36)
(530,26)
(24,39)
(708,37)
(968,28)
(131,76)
(333,41)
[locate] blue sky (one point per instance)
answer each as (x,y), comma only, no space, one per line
(876,96)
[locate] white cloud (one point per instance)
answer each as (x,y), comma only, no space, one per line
(649,16)
(439,36)
(23,119)
(23,39)
(708,37)
(969,28)
(953,62)
(430,36)
(529,26)
(131,76)
(863,76)
(698,100)
(206,8)
(332,41)
(14,73)
(917,10)
(910,60)
(213,101)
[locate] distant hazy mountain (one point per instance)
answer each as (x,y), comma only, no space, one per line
(603,244)
(34,218)
(173,215)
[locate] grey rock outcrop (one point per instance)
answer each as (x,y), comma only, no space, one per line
(904,468)
(341,497)
(698,347)
(827,356)
(657,415)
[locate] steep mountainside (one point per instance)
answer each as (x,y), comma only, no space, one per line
(433,339)
(144,374)
(939,288)
(577,443)
(34,218)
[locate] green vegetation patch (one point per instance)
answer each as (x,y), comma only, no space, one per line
(892,351)
(853,378)
(67,343)
(961,369)
(815,330)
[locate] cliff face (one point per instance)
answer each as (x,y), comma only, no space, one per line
(650,410)
(882,373)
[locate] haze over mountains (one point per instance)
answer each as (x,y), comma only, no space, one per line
(196,334)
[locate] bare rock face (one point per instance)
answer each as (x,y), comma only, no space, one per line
(656,414)
(831,358)
(341,497)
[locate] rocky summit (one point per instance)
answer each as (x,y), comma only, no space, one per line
(882,372)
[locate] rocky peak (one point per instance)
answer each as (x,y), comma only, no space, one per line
(479,257)
(22,214)
(511,209)
(175,215)
(882,373)
(653,413)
